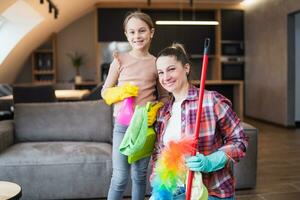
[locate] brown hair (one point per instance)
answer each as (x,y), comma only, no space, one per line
(139,15)
(177,50)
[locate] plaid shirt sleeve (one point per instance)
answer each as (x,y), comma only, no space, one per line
(229,125)
(156,149)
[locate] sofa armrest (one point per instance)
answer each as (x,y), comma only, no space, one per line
(245,170)
(6,134)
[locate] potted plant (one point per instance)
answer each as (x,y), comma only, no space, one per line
(77,61)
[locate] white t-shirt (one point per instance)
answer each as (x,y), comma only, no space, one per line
(173,130)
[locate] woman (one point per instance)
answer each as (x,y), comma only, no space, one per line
(222,140)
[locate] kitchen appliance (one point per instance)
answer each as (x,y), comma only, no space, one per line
(232,48)
(232,67)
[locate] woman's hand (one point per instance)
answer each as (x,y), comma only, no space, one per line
(210,163)
(152,175)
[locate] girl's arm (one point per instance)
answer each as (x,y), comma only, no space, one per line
(113,75)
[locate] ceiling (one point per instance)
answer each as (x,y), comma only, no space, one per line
(188,2)
(70,11)
(177,1)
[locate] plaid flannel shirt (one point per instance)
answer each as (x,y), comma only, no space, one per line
(220,129)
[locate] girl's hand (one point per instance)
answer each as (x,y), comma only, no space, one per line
(153,111)
(116,94)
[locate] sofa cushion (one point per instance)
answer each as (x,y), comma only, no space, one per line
(63,121)
(55,153)
(58,170)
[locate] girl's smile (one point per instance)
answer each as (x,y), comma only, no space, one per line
(138,34)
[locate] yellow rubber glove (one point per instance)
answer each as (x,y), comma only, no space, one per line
(115,94)
(152,111)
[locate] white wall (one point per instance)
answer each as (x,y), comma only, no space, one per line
(266,69)
(69,11)
(79,36)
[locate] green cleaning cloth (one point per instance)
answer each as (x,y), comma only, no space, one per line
(147,149)
(135,136)
(139,139)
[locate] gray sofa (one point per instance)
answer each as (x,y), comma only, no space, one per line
(245,170)
(63,150)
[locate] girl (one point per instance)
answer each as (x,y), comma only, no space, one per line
(135,68)
(222,139)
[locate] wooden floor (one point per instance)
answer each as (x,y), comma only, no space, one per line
(278,176)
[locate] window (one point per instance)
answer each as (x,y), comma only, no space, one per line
(15,22)
(2,20)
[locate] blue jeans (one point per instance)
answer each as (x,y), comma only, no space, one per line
(182,197)
(216,198)
(121,169)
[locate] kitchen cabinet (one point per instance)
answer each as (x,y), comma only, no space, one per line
(232,25)
(232,45)
(110,24)
(230,28)
(233,90)
(191,36)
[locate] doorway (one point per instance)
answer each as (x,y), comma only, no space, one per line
(294,69)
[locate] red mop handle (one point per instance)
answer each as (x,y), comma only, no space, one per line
(198,117)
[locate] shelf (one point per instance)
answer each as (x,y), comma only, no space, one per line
(195,56)
(42,72)
(44,62)
(232,89)
(230,41)
(44,82)
(43,51)
(218,82)
(86,85)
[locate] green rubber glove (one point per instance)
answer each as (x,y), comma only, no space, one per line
(210,163)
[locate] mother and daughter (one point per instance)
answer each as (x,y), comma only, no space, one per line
(222,140)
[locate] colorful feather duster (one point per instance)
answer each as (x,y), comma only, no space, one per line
(170,169)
